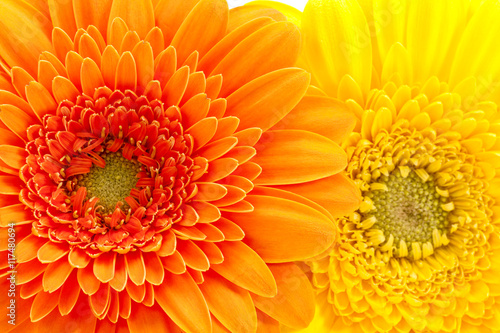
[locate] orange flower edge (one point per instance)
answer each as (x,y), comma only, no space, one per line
(157,169)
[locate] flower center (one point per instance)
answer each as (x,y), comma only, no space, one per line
(407,208)
(113,183)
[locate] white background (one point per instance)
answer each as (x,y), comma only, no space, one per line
(299,4)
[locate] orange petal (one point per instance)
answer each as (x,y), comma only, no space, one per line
(31,288)
(195,109)
(7,97)
(226,127)
(202,131)
(293,306)
(214,84)
(338,194)
(87,280)
(283,194)
(62,89)
(171,14)
(17,47)
(212,252)
(130,40)
(145,319)
(155,272)
(271,48)
(210,192)
(110,58)
(56,274)
(267,324)
(81,321)
(40,99)
(13,156)
(196,85)
(231,231)
(207,212)
(174,263)
(191,232)
(139,15)
(27,249)
(219,169)
(281,230)
(321,115)
(43,304)
(78,258)
(46,73)
(137,293)
(157,41)
(92,12)
(16,120)
(241,154)
(176,86)
(119,280)
(143,55)
(249,136)
(26,272)
(69,294)
(226,44)
(211,233)
(294,156)
(126,73)
(10,185)
(88,48)
(190,310)
(165,65)
(135,267)
(243,267)
(61,13)
(16,214)
(117,32)
(74,63)
(203,27)
(51,252)
(97,37)
(243,14)
(219,293)
(20,79)
(267,99)
(234,195)
(91,77)
(99,301)
(216,149)
(169,243)
(193,256)
(9,138)
(192,61)
(114,308)
(104,266)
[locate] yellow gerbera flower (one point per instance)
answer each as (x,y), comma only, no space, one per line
(158,168)
(421,254)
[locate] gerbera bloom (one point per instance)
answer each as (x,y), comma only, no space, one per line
(159,168)
(421,254)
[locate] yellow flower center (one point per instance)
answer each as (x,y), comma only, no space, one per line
(113,183)
(406,209)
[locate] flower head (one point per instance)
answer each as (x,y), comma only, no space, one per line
(421,252)
(158,168)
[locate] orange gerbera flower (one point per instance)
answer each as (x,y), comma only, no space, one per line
(158,167)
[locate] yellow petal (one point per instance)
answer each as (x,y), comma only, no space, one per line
(428,50)
(337,43)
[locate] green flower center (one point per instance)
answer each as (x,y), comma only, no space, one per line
(112,183)
(407,208)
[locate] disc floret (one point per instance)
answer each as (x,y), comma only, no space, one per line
(408,210)
(113,183)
